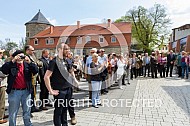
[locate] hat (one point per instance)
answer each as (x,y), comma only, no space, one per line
(93,50)
(98,51)
(2,50)
(102,50)
(17,52)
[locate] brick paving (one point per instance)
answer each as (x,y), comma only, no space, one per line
(168,105)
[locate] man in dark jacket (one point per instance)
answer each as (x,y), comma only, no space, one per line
(170,63)
(42,70)
(19,88)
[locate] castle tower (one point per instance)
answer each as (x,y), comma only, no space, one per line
(36,25)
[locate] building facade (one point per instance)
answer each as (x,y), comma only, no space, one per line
(112,37)
(180,39)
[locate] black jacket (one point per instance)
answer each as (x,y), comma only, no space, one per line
(11,69)
(43,69)
(170,59)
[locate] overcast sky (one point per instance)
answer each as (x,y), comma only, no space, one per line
(14,14)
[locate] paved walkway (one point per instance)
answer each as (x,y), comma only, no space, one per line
(155,102)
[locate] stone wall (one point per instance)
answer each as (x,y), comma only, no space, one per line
(33,29)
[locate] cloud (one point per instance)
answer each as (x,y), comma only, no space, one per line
(178,12)
(52,21)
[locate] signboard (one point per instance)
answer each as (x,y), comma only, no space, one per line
(183,41)
(174,44)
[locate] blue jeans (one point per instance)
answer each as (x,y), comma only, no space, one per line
(185,68)
(96,87)
(15,97)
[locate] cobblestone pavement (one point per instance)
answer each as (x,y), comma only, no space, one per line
(155,102)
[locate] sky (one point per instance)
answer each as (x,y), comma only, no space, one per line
(14,14)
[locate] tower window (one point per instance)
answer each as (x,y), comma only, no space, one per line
(27,34)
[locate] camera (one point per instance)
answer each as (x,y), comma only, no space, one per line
(22,57)
(74,66)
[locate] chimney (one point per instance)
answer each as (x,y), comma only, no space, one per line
(109,23)
(51,29)
(78,24)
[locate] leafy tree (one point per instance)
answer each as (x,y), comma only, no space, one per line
(22,44)
(10,45)
(149,26)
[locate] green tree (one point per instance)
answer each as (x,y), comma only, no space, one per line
(10,45)
(149,26)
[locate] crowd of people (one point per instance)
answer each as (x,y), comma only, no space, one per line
(60,76)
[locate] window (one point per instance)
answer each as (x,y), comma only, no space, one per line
(27,34)
(49,41)
(113,39)
(78,52)
(65,39)
(79,40)
(36,41)
(88,39)
(68,40)
(101,39)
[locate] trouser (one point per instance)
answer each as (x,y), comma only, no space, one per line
(44,93)
(179,70)
(2,102)
(169,67)
(154,71)
(123,78)
(120,81)
(109,80)
(89,86)
(61,104)
(33,94)
(147,67)
(133,72)
(185,68)
(15,97)
(128,74)
(162,71)
(96,87)
(71,106)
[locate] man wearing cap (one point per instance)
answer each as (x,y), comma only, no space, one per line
(19,88)
(3,84)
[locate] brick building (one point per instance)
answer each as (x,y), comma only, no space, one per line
(113,37)
(180,39)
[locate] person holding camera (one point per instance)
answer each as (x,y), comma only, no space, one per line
(20,71)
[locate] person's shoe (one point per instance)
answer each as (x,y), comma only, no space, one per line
(99,104)
(121,88)
(3,121)
(6,116)
(73,121)
(35,110)
(44,108)
(128,83)
(31,115)
(124,84)
(49,105)
(95,106)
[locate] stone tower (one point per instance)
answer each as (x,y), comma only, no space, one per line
(36,25)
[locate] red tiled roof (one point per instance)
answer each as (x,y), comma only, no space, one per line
(92,29)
